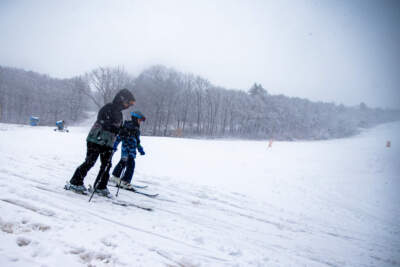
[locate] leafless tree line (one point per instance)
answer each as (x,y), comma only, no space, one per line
(182,104)
(24,94)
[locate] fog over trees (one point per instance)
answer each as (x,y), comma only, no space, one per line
(181,104)
(26,93)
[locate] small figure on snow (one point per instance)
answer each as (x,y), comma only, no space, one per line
(34,121)
(61,126)
(130,137)
(270,143)
(388,144)
(100,142)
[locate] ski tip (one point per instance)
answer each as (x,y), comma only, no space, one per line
(146,208)
(127,204)
(145,194)
(140,186)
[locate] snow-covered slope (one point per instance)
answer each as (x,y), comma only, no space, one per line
(221,203)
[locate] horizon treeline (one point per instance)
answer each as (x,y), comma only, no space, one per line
(181,104)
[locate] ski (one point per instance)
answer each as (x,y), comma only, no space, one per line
(134,185)
(129,204)
(120,202)
(62,131)
(140,186)
(112,199)
(139,192)
(142,193)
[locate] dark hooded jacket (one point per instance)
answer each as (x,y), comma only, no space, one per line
(109,120)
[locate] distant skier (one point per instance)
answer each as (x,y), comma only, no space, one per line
(100,141)
(130,137)
(61,126)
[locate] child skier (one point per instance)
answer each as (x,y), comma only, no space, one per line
(100,141)
(130,137)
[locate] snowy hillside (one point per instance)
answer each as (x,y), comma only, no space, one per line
(221,203)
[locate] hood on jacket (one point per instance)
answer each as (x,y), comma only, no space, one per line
(123,96)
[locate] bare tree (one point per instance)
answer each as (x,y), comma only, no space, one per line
(200,86)
(105,82)
(185,102)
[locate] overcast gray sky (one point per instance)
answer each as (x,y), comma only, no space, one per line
(340,51)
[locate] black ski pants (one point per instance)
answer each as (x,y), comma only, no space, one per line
(128,165)
(92,154)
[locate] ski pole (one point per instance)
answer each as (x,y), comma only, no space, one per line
(118,186)
(120,180)
(94,187)
(121,175)
(101,176)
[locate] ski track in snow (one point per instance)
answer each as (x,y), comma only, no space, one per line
(296,222)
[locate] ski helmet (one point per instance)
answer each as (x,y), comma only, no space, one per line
(139,115)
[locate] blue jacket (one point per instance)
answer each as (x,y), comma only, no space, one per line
(130,137)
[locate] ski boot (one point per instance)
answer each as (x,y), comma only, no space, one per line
(127,186)
(101,192)
(80,189)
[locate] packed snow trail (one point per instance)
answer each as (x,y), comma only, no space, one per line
(220,203)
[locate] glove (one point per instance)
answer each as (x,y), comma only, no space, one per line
(141,151)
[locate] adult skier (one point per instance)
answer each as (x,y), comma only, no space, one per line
(100,141)
(130,137)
